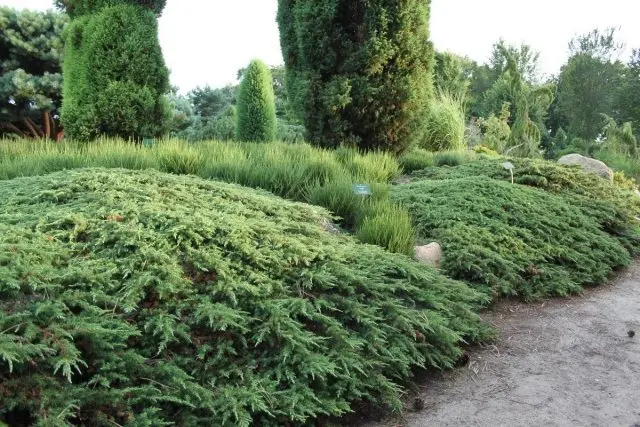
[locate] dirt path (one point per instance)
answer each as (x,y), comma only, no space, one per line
(561,363)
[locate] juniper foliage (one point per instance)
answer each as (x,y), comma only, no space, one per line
(572,230)
(142,298)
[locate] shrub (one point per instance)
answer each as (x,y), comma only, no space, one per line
(358,74)
(114,73)
(496,130)
(624,182)
(515,240)
(444,125)
(485,151)
(613,208)
(256,105)
(141,298)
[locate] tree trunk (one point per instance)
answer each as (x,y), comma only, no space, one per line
(32,127)
(13,129)
(46,123)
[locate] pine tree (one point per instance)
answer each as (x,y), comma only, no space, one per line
(358,73)
(256,105)
(30,71)
(114,73)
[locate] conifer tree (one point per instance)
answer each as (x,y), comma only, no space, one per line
(30,71)
(114,72)
(358,72)
(256,106)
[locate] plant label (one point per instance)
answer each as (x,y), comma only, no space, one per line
(362,189)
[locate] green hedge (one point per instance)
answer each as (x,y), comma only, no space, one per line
(114,72)
(142,298)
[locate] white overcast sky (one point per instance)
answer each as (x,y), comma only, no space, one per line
(207,41)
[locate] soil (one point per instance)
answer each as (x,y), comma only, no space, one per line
(564,362)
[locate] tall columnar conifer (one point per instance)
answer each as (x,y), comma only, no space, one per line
(358,72)
(114,71)
(256,105)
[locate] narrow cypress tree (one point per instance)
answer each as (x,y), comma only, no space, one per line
(256,105)
(114,71)
(358,72)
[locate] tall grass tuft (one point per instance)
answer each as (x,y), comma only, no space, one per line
(339,198)
(388,225)
(180,158)
(416,159)
(445,125)
(453,158)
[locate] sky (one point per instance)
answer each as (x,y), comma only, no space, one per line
(205,42)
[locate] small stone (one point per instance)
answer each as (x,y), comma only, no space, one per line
(631,333)
(430,254)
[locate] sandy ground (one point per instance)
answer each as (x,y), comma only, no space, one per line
(567,362)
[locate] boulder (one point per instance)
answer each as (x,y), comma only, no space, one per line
(588,164)
(430,254)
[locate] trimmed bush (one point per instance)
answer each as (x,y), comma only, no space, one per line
(142,298)
(515,240)
(114,72)
(444,125)
(358,73)
(256,105)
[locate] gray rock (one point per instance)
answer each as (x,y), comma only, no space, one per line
(430,254)
(588,164)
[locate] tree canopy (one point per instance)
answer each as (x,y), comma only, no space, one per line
(588,84)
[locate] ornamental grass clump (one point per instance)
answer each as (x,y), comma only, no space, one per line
(143,298)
